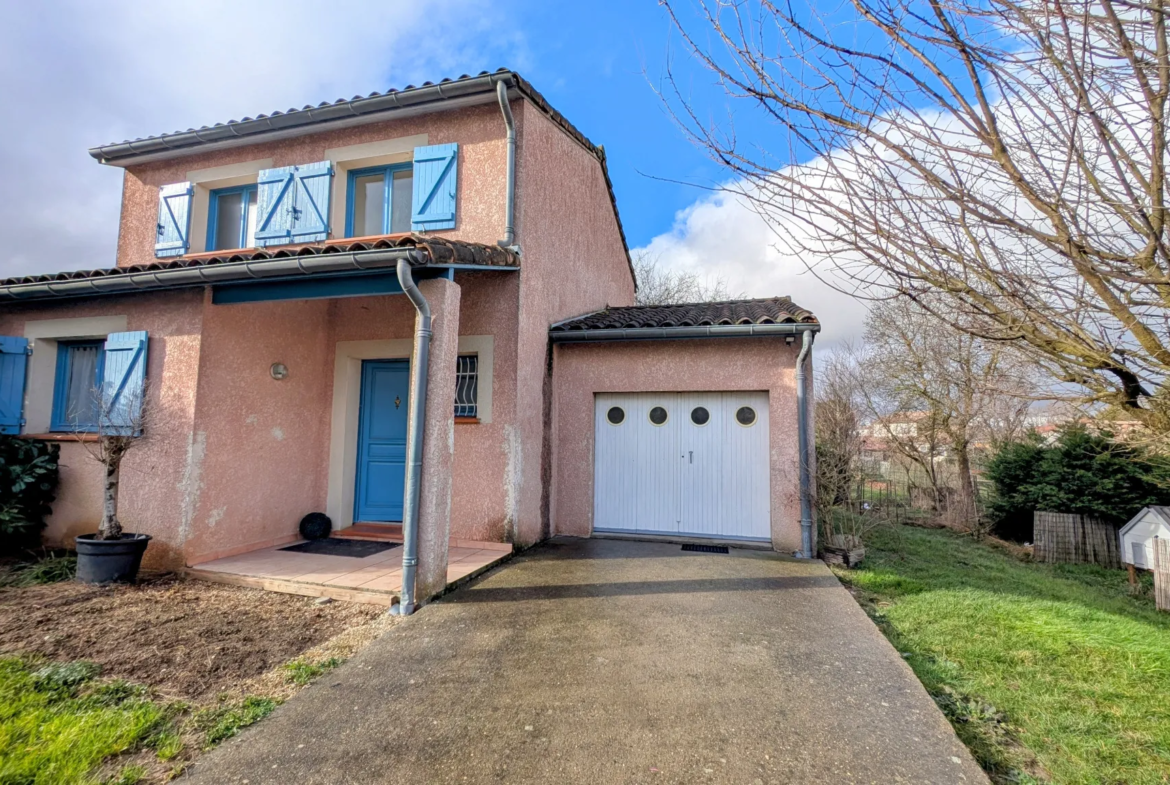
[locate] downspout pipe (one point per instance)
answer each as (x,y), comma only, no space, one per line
(509,240)
(416,417)
(802,435)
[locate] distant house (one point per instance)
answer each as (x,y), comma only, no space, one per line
(1137,536)
(276,278)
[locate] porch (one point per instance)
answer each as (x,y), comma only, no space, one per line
(375,578)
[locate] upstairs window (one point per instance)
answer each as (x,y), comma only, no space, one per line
(75,392)
(231,218)
(379,200)
(467,386)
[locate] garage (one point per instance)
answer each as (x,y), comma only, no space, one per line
(690,420)
(690,463)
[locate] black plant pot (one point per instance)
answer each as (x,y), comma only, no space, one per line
(110,561)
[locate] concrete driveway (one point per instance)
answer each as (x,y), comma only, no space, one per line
(608,661)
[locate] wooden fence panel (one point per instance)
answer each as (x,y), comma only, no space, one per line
(1162,573)
(1065,538)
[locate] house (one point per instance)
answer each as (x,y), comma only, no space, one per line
(416,307)
(1137,537)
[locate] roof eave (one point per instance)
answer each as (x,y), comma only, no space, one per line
(445,96)
(682,333)
(185,273)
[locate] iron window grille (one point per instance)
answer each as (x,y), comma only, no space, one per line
(467,386)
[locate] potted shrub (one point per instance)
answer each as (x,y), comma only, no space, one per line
(111,554)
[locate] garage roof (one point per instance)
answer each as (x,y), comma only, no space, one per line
(772,310)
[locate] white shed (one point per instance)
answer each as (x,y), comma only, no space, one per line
(1137,536)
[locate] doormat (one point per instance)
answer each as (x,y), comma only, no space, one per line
(706,548)
(335,546)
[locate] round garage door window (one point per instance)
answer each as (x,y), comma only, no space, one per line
(616,415)
(658,415)
(700,415)
(745,415)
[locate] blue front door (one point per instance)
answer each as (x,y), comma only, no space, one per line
(381,467)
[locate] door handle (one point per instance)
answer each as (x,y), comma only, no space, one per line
(692,454)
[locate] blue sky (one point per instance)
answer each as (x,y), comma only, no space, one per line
(81,74)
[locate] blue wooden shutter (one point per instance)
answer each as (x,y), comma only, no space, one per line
(314,186)
(13,366)
(123,383)
(275,198)
(174,219)
(435,171)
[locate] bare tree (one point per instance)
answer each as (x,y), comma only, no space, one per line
(121,419)
(1003,162)
(658,285)
(839,412)
(962,391)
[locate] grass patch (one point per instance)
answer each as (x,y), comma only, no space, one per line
(1047,672)
(60,724)
(220,723)
(301,672)
(51,569)
(130,775)
(57,725)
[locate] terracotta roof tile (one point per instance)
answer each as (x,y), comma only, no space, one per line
(440,250)
(772,310)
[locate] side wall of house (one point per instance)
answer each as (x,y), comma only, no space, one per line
(583,370)
(156,475)
(574,263)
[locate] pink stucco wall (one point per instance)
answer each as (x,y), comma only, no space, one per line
(583,370)
(437,481)
(259,444)
(263,445)
(481,508)
(155,475)
(479,131)
(574,263)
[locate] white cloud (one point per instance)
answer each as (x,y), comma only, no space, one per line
(77,74)
(720,236)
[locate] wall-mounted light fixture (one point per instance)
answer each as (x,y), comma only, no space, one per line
(279,371)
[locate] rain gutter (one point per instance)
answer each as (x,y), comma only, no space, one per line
(416,418)
(204,275)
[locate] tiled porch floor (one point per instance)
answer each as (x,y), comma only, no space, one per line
(373,579)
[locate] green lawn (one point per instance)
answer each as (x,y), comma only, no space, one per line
(62,725)
(1049,673)
(57,725)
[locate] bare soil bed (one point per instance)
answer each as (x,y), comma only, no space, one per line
(187,639)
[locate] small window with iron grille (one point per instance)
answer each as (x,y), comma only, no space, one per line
(467,386)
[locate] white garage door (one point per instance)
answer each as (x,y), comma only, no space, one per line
(682,463)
